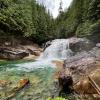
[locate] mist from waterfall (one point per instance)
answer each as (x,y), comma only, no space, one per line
(59,49)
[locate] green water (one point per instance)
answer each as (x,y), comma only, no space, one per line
(41,80)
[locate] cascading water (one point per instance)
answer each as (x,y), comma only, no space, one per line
(59,49)
(40,72)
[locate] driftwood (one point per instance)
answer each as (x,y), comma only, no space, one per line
(91,85)
(96,87)
(21,84)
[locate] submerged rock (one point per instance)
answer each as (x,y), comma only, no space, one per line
(3,83)
(21,84)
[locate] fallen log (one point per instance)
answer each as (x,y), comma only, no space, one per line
(21,84)
(87,85)
(96,87)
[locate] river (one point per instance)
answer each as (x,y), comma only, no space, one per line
(39,72)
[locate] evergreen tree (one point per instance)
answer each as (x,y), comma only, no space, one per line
(94,10)
(60,7)
(25,18)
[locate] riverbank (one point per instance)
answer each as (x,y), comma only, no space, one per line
(15,48)
(78,55)
(20,52)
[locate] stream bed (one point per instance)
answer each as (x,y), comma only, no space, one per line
(40,73)
(41,80)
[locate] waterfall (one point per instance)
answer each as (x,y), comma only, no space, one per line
(59,49)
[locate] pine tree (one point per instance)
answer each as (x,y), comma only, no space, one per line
(94,10)
(60,7)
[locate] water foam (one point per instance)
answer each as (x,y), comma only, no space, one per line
(58,50)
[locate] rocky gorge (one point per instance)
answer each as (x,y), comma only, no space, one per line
(74,56)
(19,52)
(81,58)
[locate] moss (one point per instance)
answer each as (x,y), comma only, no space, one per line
(57,98)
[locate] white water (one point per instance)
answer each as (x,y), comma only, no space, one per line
(58,50)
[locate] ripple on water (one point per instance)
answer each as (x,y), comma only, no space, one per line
(40,76)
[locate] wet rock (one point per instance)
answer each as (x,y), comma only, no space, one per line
(59,64)
(80,61)
(98,45)
(35,52)
(83,62)
(21,84)
(95,52)
(30,57)
(10,54)
(48,43)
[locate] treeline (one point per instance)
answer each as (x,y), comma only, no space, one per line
(25,18)
(81,19)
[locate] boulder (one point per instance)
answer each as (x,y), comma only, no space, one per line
(9,54)
(80,44)
(95,52)
(80,61)
(83,62)
(34,52)
(98,45)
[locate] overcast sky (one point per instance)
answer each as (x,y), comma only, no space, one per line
(53,5)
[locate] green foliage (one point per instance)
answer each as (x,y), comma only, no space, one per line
(57,98)
(84,29)
(81,19)
(94,10)
(25,18)
(70,19)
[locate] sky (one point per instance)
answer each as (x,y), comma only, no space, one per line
(53,5)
